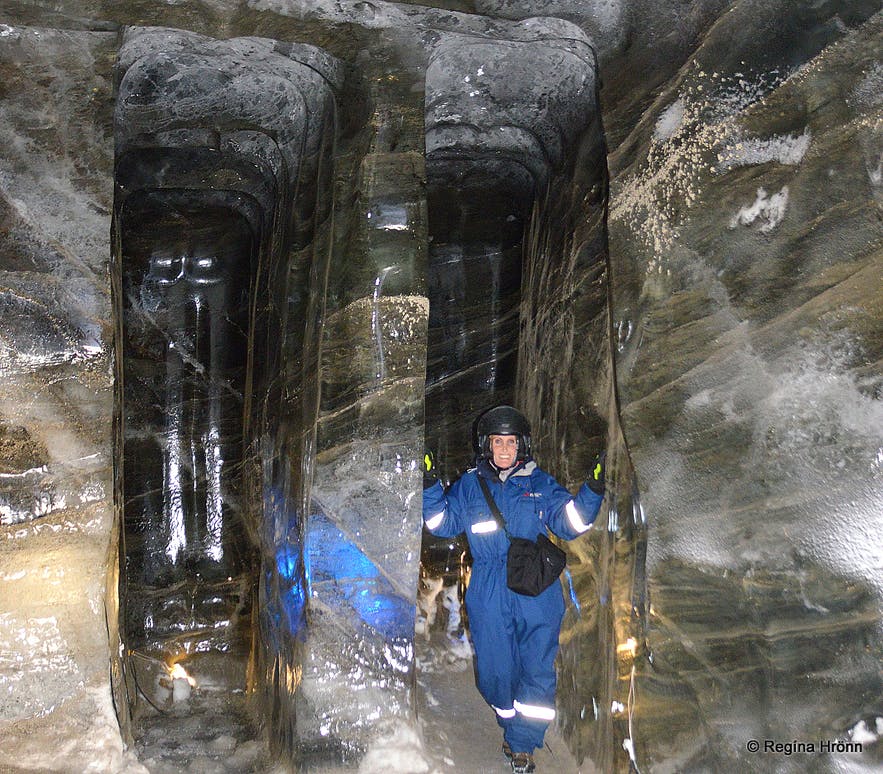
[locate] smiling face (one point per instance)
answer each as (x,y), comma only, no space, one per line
(505,450)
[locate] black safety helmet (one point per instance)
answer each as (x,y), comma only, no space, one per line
(503,420)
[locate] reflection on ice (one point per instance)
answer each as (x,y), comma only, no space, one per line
(287,607)
(185,375)
(343,575)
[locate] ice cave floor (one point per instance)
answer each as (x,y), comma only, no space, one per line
(457,731)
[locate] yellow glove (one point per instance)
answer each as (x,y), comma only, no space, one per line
(595,479)
(429,474)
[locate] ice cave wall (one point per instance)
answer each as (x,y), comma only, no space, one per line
(746,260)
(744,148)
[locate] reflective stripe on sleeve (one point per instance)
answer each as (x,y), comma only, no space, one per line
(434,521)
(479,528)
(574,518)
(504,713)
(535,711)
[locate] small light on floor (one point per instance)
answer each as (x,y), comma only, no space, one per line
(177,672)
(176,685)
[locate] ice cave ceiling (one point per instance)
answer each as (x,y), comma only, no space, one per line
(254,254)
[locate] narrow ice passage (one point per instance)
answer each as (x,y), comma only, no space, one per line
(458,727)
(517,282)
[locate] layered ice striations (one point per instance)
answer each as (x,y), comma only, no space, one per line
(56,484)
(751,392)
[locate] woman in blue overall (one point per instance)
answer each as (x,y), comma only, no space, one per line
(515,636)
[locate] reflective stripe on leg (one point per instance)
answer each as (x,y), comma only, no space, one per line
(535,711)
(504,713)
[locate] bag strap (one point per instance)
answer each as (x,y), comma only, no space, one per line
(495,511)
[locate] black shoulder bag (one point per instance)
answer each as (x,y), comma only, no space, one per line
(531,567)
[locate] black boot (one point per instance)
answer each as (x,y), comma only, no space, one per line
(522,763)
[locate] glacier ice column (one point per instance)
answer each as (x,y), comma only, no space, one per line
(221,223)
(363,532)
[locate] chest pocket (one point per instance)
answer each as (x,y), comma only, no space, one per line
(529,507)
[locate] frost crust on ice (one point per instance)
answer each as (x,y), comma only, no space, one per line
(767,210)
(670,121)
(785,149)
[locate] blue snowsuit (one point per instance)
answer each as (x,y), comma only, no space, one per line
(515,636)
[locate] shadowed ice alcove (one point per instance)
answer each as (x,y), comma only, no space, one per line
(257,255)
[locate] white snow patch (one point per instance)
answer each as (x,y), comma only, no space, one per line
(699,400)
(653,203)
(786,149)
(768,211)
(862,734)
(107,753)
(90,744)
(608,15)
(629,746)
(222,744)
(875,173)
(401,750)
(669,121)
